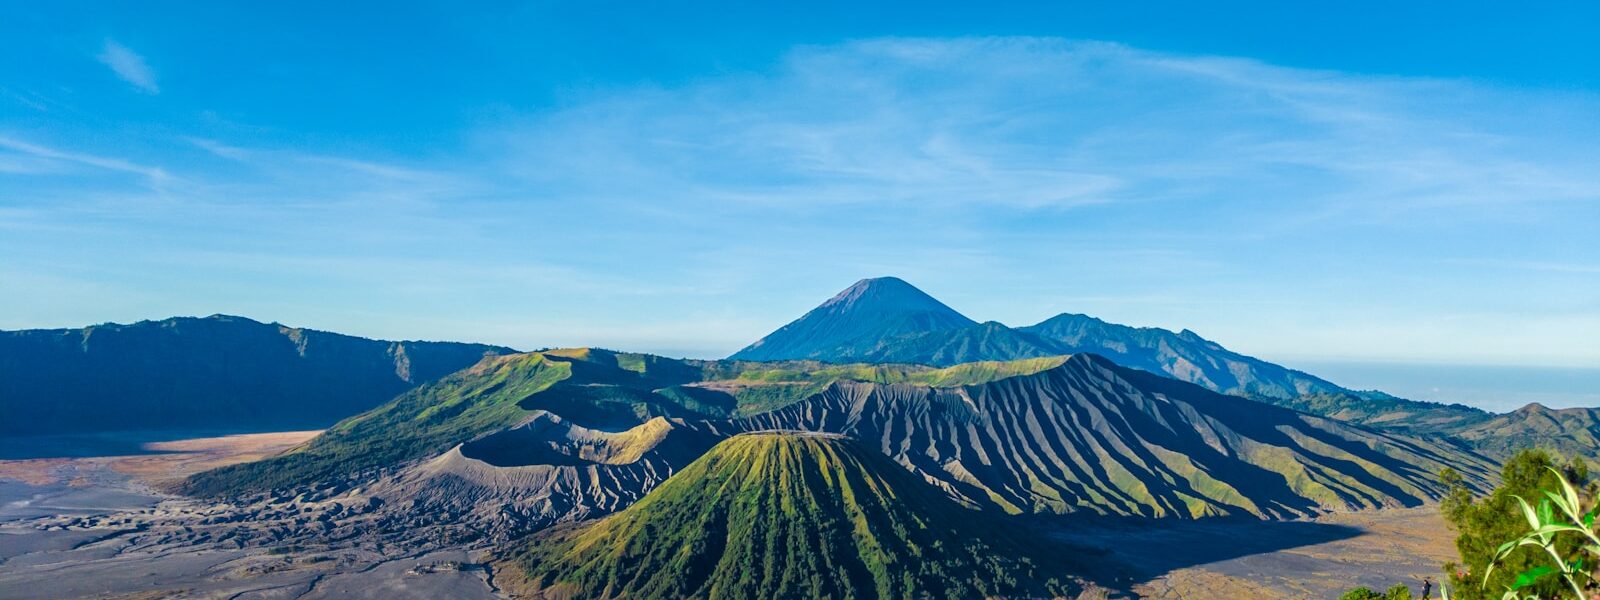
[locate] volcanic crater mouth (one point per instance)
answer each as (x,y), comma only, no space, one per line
(550,441)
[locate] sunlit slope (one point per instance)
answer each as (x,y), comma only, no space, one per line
(592,388)
(1091,437)
(1055,435)
(421,423)
(793,516)
(1573,432)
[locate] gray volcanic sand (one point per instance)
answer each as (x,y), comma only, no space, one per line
(74,525)
(1310,559)
(53,568)
(20,501)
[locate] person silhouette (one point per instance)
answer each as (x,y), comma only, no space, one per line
(1427,588)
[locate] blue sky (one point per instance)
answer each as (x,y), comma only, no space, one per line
(1355,182)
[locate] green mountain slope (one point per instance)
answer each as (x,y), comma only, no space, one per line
(1376,409)
(985,341)
(793,516)
(218,372)
(1567,431)
(1091,437)
(421,423)
(1072,434)
(589,387)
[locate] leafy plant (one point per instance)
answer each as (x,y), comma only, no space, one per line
(1361,593)
(1559,514)
(1398,591)
(1483,525)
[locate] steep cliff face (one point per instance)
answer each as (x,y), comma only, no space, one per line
(217,372)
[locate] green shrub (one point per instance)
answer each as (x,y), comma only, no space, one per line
(1361,593)
(1398,592)
(1488,528)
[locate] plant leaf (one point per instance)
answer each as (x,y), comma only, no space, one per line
(1530,577)
(1527,512)
(1566,488)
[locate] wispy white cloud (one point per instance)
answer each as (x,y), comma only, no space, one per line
(220,149)
(1040,124)
(45,158)
(129,66)
(1013,177)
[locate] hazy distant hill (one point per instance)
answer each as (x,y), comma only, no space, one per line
(217,372)
(1568,431)
(1183,355)
(794,516)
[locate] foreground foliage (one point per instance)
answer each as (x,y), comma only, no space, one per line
(1398,591)
(1532,537)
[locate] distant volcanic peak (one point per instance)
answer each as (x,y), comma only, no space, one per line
(848,327)
(892,295)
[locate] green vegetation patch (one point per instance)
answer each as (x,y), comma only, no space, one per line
(794,516)
(420,423)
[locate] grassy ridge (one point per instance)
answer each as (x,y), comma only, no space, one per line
(592,387)
(419,423)
(755,388)
(775,515)
(813,371)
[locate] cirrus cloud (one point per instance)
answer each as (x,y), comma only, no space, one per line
(129,66)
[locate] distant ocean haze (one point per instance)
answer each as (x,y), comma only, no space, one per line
(1498,388)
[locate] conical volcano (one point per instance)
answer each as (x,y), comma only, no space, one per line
(856,322)
(788,515)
